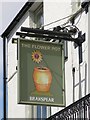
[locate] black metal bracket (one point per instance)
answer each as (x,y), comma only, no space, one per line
(81,39)
(85,6)
(79,45)
(55,35)
(61,36)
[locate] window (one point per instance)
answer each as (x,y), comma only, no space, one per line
(38,16)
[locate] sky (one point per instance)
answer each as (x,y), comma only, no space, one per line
(8,10)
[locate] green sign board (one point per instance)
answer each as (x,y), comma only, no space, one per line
(40,73)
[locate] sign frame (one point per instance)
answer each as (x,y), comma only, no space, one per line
(39,48)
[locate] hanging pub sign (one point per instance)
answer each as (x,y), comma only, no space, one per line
(40,73)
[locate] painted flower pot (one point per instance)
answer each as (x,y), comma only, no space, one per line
(42,79)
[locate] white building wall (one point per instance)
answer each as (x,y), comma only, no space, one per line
(54,11)
(14,110)
(83,26)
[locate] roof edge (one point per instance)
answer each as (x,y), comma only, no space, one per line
(17,19)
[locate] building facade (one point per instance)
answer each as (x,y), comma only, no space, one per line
(49,15)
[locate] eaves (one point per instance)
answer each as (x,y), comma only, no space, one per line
(18,17)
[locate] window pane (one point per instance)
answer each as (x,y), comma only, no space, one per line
(44,112)
(38,111)
(39,20)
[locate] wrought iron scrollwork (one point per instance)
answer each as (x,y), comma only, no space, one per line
(79,109)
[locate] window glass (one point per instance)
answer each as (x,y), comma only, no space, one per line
(39,19)
(38,111)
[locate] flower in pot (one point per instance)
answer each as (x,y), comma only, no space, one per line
(41,75)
